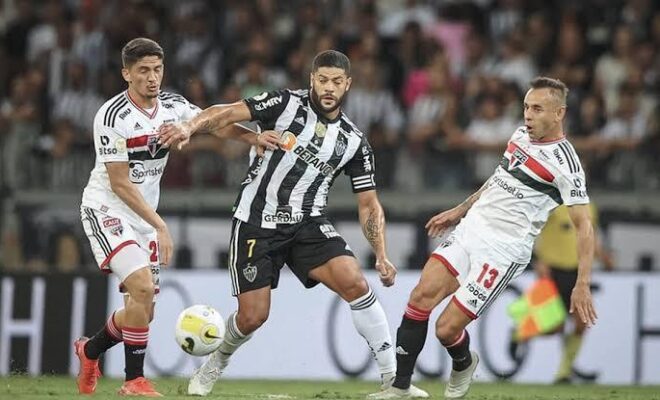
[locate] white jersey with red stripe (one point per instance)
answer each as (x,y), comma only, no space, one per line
(125,132)
(532,179)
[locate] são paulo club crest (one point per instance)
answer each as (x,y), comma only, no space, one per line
(152,145)
(518,157)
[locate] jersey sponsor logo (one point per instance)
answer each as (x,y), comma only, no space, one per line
(105,150)
(577,182)
(268,104)
(328,230)
(311,159)
(512,190)
(578,193)
(287,141)
(250,272)
(169,106)
(477,292)
(138,173)
(254,172)
(124,114)
(283,215)
(113,225)
(558,156)
(518,157)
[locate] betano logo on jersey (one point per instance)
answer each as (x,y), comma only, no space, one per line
(311,159)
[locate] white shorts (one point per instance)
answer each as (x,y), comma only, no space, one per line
(482,272)
(117,247)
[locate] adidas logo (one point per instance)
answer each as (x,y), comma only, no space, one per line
(401,350)
(472,302)
(137,126)
(384,347)
(299,120)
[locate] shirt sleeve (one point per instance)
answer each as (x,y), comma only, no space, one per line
(266,107)
(189,111)
(110,144)
(573,188)
(362,168)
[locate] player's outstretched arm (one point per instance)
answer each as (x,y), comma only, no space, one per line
(266,140)
(446,219)
(372,219)
(131,196)
(211,120)
(581,301)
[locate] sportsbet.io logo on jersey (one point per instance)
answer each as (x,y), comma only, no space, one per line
(138,172)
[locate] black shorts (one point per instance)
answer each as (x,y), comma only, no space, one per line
(565,280)
(256,255)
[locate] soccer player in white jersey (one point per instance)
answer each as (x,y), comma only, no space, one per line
(493,241)
(127,236)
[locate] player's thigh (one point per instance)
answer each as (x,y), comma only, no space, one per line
(435,284)
(114,243)
(316,244)
(252,265)
(490,273)
(342,275)
(254,306)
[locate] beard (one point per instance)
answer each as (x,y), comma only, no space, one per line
(316,99)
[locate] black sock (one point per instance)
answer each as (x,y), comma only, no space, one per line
(135,348)
(134,360)
(104,339)
(410,338)
(460,353)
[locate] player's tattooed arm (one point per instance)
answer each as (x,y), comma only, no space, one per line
(211,120)
(372,219)
(467,204)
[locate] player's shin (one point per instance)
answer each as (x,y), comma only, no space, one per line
(104,339)
(459,351)
(234,339)
(371,323)
(410,339)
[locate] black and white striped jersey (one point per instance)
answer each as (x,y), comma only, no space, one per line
(292,182)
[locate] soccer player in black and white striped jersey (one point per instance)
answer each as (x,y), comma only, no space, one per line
(280,217)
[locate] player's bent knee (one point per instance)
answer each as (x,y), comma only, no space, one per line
(249,322)
(355,288)
(447,330)
(423,297)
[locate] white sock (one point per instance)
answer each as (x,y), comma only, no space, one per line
(370,321)
(233,339)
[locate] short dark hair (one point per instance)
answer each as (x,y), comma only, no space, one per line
(559,88)
(138,48)
(332,58)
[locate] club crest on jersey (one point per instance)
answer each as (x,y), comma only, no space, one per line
(340,147)
(113,225)
(518,157)
(152,145)
(250,272)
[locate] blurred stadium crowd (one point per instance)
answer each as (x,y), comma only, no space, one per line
(437,84)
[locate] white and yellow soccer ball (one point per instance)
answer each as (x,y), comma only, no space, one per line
(199,330)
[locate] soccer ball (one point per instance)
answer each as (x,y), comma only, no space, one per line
(199,330)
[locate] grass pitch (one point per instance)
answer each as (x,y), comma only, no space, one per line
(56,388)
